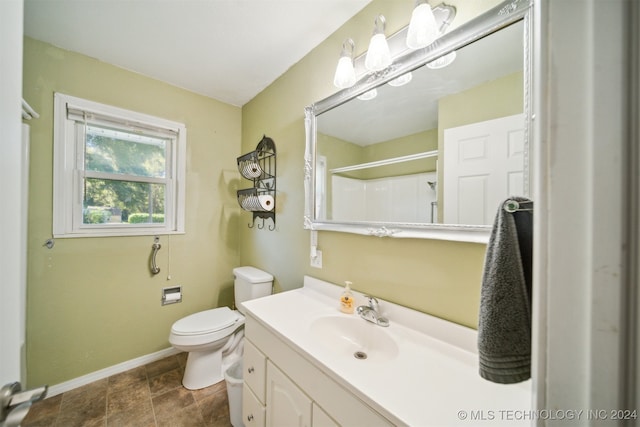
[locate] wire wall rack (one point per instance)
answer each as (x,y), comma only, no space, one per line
(259,166)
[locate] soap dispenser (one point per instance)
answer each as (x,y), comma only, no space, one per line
(347,303)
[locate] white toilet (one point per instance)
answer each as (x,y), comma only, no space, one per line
(214,338)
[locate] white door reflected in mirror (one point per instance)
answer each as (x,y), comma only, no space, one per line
(483,164)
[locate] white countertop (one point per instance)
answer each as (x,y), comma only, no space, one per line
(432,381)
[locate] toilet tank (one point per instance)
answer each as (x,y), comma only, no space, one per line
(250,283)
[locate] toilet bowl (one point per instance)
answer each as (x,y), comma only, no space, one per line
(214,338)
(204,335)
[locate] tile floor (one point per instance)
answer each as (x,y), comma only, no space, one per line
(150,395)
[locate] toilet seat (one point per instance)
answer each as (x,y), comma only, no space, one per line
(205,322)
(205,329)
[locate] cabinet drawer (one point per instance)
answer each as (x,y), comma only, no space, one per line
(255,370)
(253,412)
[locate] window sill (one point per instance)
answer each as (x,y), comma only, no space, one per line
(119,233)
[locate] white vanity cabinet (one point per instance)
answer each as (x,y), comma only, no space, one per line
(420,371)
(292,390)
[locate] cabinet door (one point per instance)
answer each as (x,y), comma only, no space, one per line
(255,365)
(321,418)
(287,405)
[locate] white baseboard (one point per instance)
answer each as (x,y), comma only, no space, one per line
(107,372)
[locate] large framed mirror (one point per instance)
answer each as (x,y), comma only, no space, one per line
(434,157)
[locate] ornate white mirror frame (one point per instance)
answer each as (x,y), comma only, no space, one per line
(493,20)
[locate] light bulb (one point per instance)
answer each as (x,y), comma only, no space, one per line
(402,80)
(423,29)
(368,95)
(378,56)
(345,75)
(443,61)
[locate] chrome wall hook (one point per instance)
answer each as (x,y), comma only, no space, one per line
(512,206)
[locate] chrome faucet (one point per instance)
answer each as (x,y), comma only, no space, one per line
(370,312)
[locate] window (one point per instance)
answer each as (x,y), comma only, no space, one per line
(116,172)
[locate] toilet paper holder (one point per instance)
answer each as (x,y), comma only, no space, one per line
(171,295)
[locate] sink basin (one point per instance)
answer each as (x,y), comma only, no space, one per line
(354,337)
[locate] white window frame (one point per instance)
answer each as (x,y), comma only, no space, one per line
(68,172)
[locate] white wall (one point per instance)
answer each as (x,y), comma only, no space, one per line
(581,323)
(11,215)
(404,198)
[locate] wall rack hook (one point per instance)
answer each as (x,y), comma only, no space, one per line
(263,216)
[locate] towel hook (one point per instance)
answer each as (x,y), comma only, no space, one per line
(512,206)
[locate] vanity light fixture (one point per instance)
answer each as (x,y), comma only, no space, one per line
(427,24)
(423,29)
(345,72)
(378,56)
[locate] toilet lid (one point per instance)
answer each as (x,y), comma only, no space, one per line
(205,321)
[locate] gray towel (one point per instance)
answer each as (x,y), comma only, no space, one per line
(504,328)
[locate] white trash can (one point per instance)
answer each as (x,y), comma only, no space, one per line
(233,378)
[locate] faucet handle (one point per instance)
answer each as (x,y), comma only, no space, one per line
(372,302)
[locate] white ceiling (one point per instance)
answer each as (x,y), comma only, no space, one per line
(229,50)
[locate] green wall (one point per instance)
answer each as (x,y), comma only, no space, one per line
(341,153)
(92,302)
(437,277)
(403,146)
